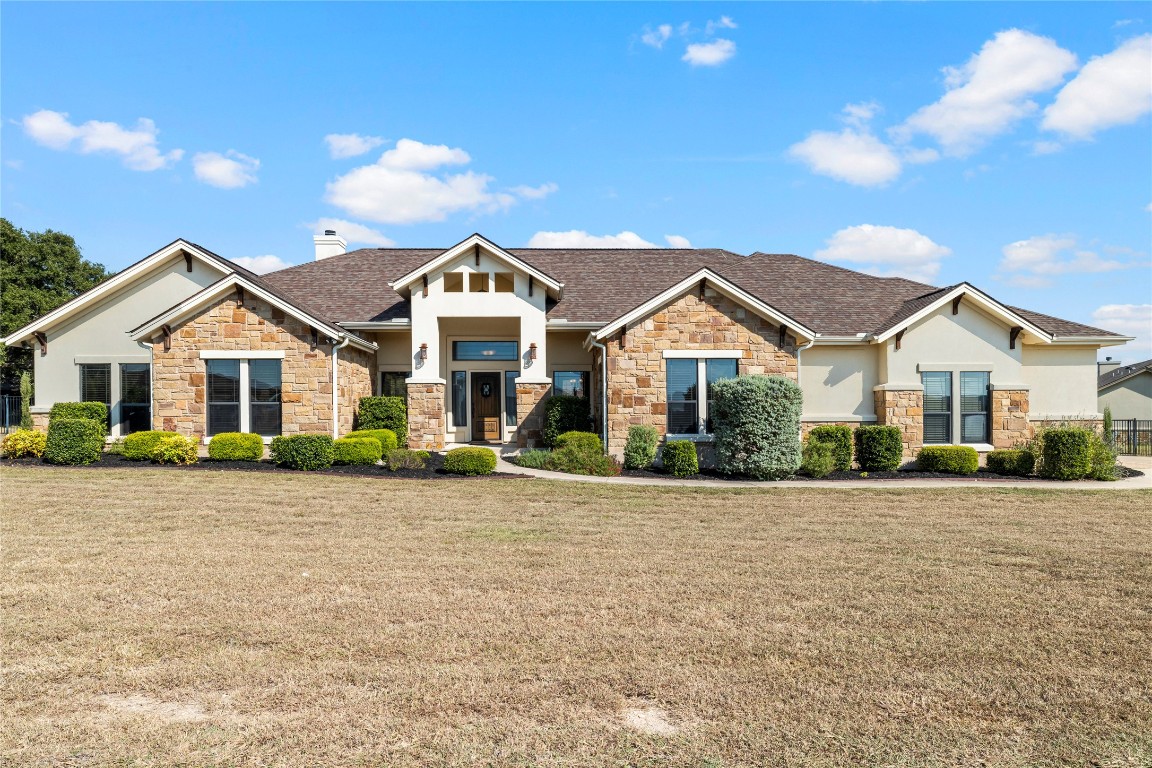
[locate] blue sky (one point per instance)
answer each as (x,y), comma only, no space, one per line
(1008,145)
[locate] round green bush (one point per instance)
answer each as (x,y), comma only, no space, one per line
(303,452)
(384,412)
(818,460)
(402,458)
(640,450)
(388,439)
(839,437)
(879,448)
(949,459)
(138,446)
(1067,453)
(679,458)
(74,441)
(174,449)
(1014,462)
(356,450)
(470,461)
(588,442)
(756,424)
(236,446)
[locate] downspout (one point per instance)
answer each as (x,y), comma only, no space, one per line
(798,383)
(335,385)
(604,392)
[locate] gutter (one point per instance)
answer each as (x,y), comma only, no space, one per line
(604,390)
(335,384)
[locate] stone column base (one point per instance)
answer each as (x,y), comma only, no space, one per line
(426,416)
(1009,415)
(903,408)
(530,414)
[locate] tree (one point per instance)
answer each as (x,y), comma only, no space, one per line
(39,271)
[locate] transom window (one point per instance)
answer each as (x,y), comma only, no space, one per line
(686,379)
(244,396)
(485,350)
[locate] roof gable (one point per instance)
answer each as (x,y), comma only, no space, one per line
(477,241)
(920,307)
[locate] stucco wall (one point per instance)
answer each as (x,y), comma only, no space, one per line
(972,336)
(837,382)
(1130,399)
(1061,382)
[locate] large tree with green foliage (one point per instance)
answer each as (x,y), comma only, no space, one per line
(39,271)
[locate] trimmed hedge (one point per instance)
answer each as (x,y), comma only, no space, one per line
(679,458)
(879,447)
(839,437)
(402,458)
(584,441)
(384,412)
(138,446)
(1067,453)
(236,446)
(818,459)
(97,412)
(1015,462)
(950,459)
(386,437)
(640,450)
(73,441)
(470,461)
(756,423)
(172,448)
(24,442)
(356,450)
(303,452)
(565,413)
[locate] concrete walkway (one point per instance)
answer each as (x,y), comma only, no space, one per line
(1142,463)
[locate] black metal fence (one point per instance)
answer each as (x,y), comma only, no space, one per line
(1132,437)
(9,413)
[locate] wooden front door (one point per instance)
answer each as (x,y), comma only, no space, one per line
(485,406)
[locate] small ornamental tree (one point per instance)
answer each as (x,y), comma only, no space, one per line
(25,401)
(756,423)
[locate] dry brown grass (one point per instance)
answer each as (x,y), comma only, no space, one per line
(171,618)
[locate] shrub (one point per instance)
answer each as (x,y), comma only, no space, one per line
(236,446)
(533,459)
(24,442)
(384,413)
(1067,453)
(818,459)
(878,447)
(73,441)
(679,458)
(950,459)
(303,452)
(402,458)
(172,448)
(26,401)
(840,438)
(356,450)
(97,412)
(640,450)
(386,437)
(1015,462)
(583,441)
(115,448)
(565,413)
(138,446)
(1109,432)
(470,461)
(579,461)
(1103,459)
(756,422)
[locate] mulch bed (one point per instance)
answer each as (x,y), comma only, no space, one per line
(433,469)
(981,475)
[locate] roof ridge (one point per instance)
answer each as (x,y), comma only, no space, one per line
(855,272)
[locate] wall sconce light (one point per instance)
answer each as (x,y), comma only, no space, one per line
(532,351)
(423,351)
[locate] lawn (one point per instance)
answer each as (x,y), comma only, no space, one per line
(180,618)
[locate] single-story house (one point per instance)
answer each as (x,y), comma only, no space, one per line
(1126,389)
(477,336)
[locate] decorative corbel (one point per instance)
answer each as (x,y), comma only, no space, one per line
(956,304)
(42,339)
(477,254)
(703,285)
(188,260)
(623,335)
(900,337)
(315,337)
(1013,335)
(425,280)
(783,336)
(531,284)
(167,331)
(240,295)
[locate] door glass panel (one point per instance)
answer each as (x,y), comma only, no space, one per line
(510,397)
(682,386)
(459,398)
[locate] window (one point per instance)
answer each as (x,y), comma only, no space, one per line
(937,406)
(223,396)
(264,397)
(394,384)
(96,386)
(573,383)
(453,282)
(485,350)
(478,282)
(504,282)
(974,406)
(686,378)
(244,396)
(135,398)
(510,397)
(459,398)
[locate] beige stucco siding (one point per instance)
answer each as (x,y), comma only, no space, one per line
(837,382)
(1130,399)
(943,339)
(1061,382)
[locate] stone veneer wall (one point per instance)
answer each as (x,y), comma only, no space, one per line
(426,416)
(903,408)
(1009,416)
(355,382)
(178,375)
(637,392)
(530,414)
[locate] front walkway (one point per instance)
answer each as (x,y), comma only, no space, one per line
(1142,463)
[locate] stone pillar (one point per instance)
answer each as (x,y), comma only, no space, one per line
(426,416)
(530,414)
(40,420)
(903,408)
(1009,415)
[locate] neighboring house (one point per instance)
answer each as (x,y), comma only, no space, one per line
(1126,389)
(478,336)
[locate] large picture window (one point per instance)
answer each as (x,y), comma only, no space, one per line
(96,386)
(244,396)
(485,350)
(574,383)
(135,398)
(974,406)
(937,406)
(686,379)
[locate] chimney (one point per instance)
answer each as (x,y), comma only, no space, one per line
(329,244)
(1106,367)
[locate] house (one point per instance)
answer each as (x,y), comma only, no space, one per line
(477,336)
(1126,389)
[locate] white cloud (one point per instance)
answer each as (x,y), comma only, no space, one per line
(1046,147)
(342,145)
(711,54)
(262,264)
(1032,263)
(228,171)
(400,188)
(886,252)
(578,238)
(1114,89)
(853,155)
(656,37)
(535,193)
(991,92)
(1130,320)
(353,232)
(136,146)
(724,22)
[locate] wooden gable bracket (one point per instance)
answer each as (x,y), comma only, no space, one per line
(900,337)
(240,296)
(188,260)
(315,337)
(42,338)
(531,284)
(783,336)
(703,286)
(167,331)
(956,304)
(623,334)
(425,279)
(477,254)
(1013,335)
